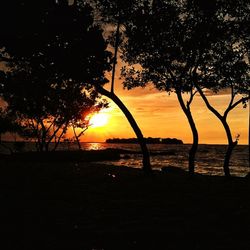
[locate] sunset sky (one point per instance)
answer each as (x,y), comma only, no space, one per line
(159,115)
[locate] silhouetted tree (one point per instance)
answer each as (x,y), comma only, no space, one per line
(226,64)
(157,39)
(46,111)
(178,42)
(115,14)
(55,55)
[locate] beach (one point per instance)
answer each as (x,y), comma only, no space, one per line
(67,204)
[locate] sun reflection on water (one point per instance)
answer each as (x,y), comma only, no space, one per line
(93,146)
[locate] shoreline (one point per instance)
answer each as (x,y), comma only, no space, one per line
(85,205)
(131,157)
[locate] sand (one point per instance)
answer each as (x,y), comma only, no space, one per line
(85,205)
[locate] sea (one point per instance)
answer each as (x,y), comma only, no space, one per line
(209,158)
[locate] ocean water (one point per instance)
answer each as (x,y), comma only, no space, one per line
(209,159)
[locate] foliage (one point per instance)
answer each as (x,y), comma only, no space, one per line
(115,13)
(176,41)
(182,45)
(59,38)
(55,55)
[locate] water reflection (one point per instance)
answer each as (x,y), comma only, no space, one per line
(93,146)
(209,158)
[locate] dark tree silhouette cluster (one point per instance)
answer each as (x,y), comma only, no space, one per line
(54,56)
(189,47)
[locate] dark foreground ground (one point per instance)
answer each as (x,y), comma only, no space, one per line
(64,204)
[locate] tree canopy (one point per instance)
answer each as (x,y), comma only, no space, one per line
(54,55)
(187,45)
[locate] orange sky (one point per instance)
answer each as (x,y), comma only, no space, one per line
(159,115)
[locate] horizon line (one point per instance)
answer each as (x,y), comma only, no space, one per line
(188,143)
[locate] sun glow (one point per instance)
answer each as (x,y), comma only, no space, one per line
(98,120)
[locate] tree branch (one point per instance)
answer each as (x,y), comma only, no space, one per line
(60,136)
(211,108)
(115,55)
(192,94)
(230,103)
(243,99)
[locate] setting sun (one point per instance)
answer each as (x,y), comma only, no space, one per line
(98,120)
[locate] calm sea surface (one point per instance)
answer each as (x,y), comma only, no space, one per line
(209,158)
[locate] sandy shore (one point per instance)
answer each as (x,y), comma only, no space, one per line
(78,205)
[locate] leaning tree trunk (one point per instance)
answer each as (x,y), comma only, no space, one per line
(231,145)
(227,158)
(194,147)
(77,139)
(145,153)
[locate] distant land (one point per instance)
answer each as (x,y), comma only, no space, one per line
(148,140)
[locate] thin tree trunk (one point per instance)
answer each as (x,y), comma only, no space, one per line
(228,155)
(231,143)
(60,136)
(194,147)
(77,139)
(117,38)
(145,153)
(193,150)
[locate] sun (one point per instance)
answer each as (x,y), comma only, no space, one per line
(98,120)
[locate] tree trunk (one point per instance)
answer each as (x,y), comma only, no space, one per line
(193,150)
(194,147)
(145,153)
(117,38)
(77,139)
(231,143)
(59,138)
(228,155)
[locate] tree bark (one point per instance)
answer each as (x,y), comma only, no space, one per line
(231,143)
(145,153)
(194,147)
